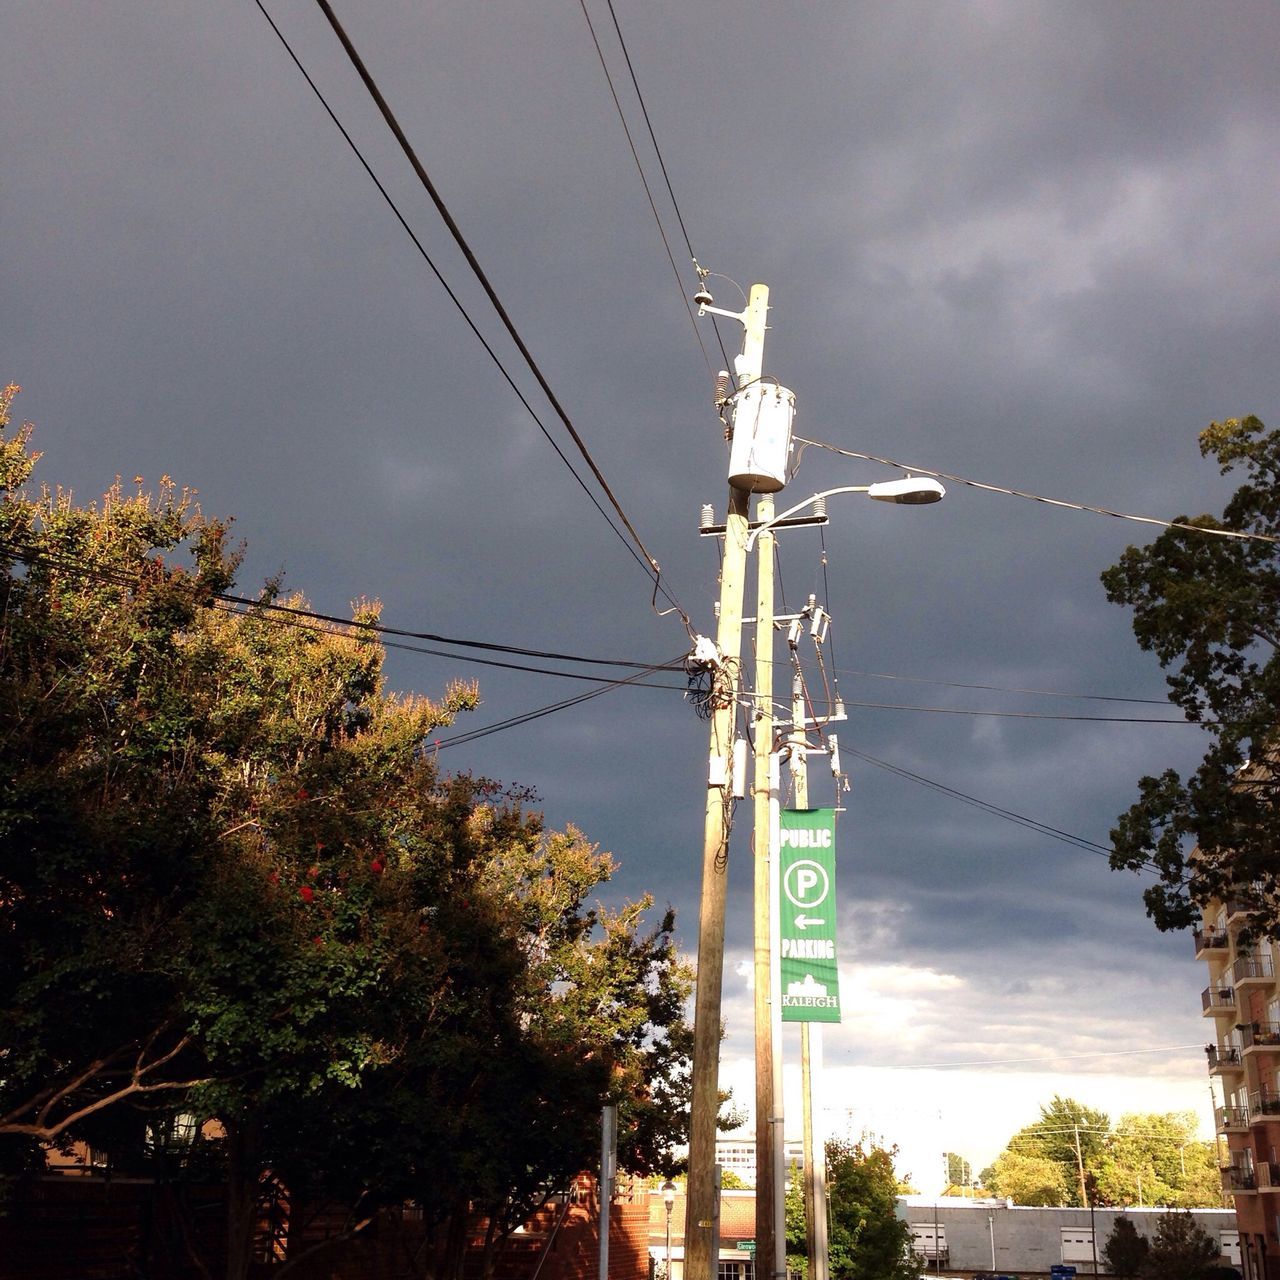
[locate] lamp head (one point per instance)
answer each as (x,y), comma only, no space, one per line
(911,491)
(668,1193)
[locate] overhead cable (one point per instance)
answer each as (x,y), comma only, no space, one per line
(1043,828)
(1007,1062)
(394,125)
(1036,497)
(395,637)
(331,624)
(666,244)
(1000,688)
(666,177)
(526,717)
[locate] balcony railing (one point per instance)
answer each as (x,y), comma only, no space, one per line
(1268,1176)
(1252,969)
(1264,1103)
(1232,1118)
(1221,999)
(1260,1035)
(1210,940)
(1237,1178)
(1223,1057)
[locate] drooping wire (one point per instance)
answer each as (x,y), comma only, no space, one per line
(444,284)
(1036,497)
(997,688)
(330,624)
(642,557)
(473,262)
(995,810)
(327,623)
(527,717)
(662,164)
(666,244)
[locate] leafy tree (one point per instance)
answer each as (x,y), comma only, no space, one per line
(730,1181)
(867,1240)
(1027,1179)
(959,1170)
(233,883)
(1068,1133)
(1208,607)
(1157,1159)
(1180,1250)
(1125,1249)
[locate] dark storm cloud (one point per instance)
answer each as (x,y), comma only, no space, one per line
(1033,244)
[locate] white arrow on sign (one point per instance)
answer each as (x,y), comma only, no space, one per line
(803,922)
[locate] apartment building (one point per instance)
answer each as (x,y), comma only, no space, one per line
(737,1154)
(1243,1002)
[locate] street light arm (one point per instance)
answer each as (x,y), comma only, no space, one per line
(908,491)
(800,506)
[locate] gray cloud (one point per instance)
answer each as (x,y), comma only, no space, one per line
(1029,243)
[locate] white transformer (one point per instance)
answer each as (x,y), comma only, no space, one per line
(762,417)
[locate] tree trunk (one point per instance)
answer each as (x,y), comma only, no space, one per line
(455,1247)
(243,1175)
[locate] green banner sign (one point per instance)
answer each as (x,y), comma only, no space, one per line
(807,928)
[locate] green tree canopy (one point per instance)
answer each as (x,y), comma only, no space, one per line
(1208,607)
(1067,1133)
(1027,1179)
(1147,1159)
(233,883)
(959,1170)
(1157,1159)
(867,1240)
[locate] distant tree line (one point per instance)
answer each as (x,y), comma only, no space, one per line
(1072,1155)
(250,930)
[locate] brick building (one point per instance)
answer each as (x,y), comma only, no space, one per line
(1243,1003)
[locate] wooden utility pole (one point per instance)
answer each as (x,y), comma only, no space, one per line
(702,1209)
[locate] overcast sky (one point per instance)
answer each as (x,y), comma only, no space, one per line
(1033,245)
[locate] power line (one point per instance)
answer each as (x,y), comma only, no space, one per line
(666,244)
(330,624)
(327,628)
(1041,828)
(1057,1057)
(1029,715)
(662,164)
(394,637)
(442,209)
(513,722)
(998,688)
(1036,497)
(444,284)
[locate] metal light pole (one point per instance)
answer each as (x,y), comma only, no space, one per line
(701,1210)
(668,1199)
(815,1155)
(770,1207)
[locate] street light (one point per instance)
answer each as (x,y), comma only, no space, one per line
(669,1199)
(910,491)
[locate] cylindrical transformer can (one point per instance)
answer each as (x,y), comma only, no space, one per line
(762,417)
